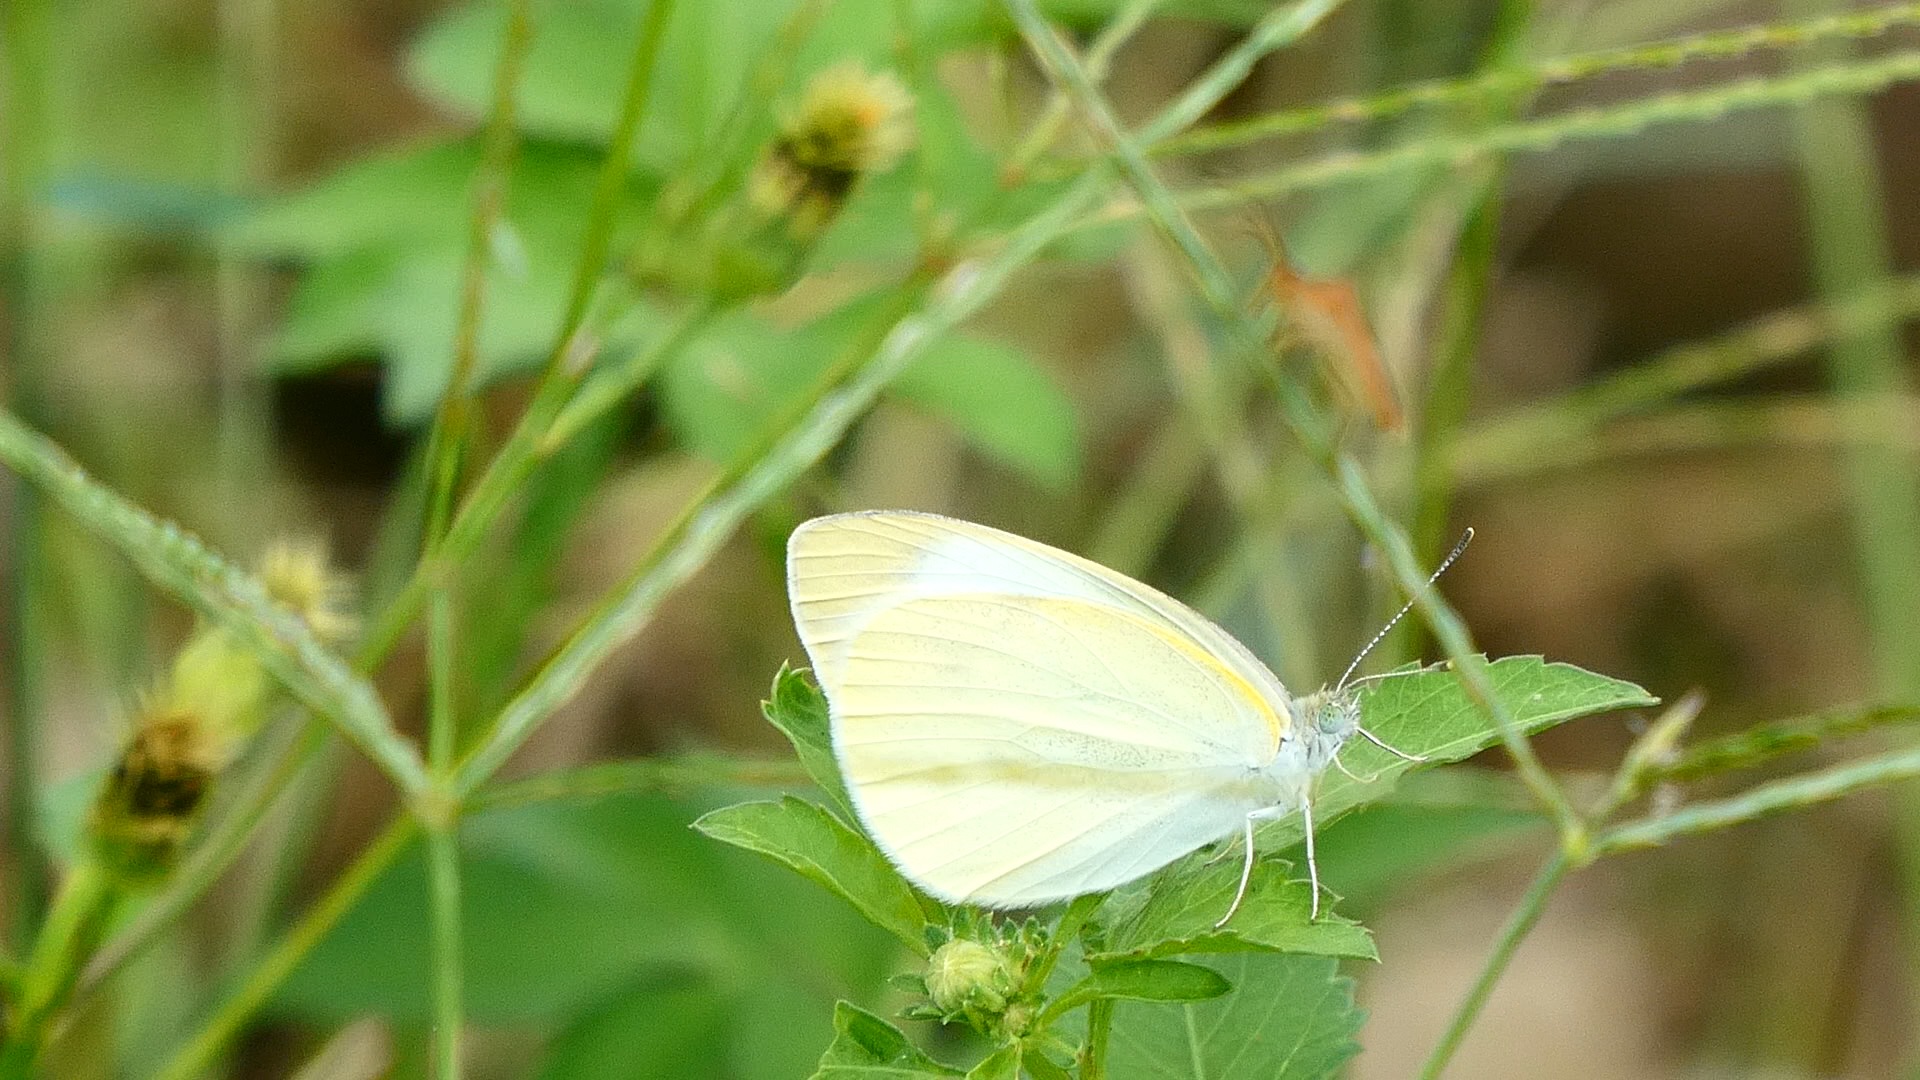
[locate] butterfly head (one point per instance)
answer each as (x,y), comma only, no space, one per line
(1328,719)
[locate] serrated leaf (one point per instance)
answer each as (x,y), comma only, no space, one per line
(1174,912)
(798,708)
(1288,1018)
(1150,980)
(1429,714)
(866,1047)
(1042,1067)
(820,846)
(1002,1064)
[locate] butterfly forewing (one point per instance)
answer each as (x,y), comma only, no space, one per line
(844,569)
(1011,750)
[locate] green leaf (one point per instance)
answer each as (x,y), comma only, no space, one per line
(665,1029)
(334,313)
(1150,980)
(744,374)
(820,846)
(885,220)
(866,1047)
(1379,851)
(572,906)
(523,572)
(1423,713)
(1042,1067)
(1173,912)
(1427,713)
(799,710)
(1002,403)
(1002,1064)
(386,243)
(1288,1018)
(402,196)
(580,53)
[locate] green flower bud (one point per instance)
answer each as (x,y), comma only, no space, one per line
(965,976)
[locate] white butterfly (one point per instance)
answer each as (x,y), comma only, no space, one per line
(1018,725)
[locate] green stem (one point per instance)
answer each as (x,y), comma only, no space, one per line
(1497,83)
(1762,743)
(446,447)
(1279,28)
(247,107)
(1308,427)
(1852,79)
(1791,422)
(1519,924)
(696,535)
(615,174)
(1451,633)
(223,594)
(1851,255)
(443,841)
(637,776)
(1041,136)
(1847,228)
(443,859)
(1093,1057)
(446,441)
(25,647)
(72,929)
(26,38)
(1463,309)
(1765,342)
(567,362)
(610,386)
(1791,793)
(1136,516)
(199,1055)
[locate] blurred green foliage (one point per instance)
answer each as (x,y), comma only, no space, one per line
(600,936)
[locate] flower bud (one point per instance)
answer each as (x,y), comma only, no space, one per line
(298,575)
(849,123)
(964,976)
(153,796)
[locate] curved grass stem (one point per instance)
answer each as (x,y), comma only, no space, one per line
(214,1036)
(1519,924)
(1497,83)
(72,930)
(1309,428)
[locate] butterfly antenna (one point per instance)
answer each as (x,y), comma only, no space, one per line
(1465,538)
(1395,751)
(1342,766)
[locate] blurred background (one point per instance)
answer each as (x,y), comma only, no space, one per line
(1663,366)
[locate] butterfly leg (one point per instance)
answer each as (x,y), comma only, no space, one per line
(1246,874)
(1313,868)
